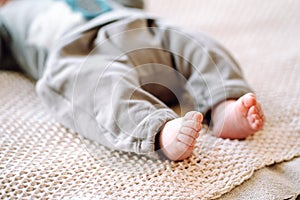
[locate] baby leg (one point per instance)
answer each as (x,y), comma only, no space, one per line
(216,82)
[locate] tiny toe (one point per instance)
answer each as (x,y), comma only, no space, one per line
(260,113)
(195,125)
(248,100)
(190,132)
(198,116)
(256,125)
(186,139)
(255,116)
(190,115)
(251,119)
(252,110)
(193,115)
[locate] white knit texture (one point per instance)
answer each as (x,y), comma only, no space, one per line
(39,158)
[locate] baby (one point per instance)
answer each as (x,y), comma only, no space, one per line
(111,73)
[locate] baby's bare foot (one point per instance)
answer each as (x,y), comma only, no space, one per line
(237,119)
(178,136)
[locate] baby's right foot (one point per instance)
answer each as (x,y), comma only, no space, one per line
(237,119)
(178,136)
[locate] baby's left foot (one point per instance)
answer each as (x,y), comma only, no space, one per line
(178,136)
(237,119)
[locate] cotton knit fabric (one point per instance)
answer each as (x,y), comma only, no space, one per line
(39,158)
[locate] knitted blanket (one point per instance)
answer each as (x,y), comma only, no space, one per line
(39,158)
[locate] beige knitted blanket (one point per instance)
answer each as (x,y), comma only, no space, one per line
(39,158)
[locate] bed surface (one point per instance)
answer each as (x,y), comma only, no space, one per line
(39,158)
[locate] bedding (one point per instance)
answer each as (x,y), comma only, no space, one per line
(39,158)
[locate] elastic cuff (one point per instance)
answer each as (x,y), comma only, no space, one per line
(219,95)
(230,92)
(153,124)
